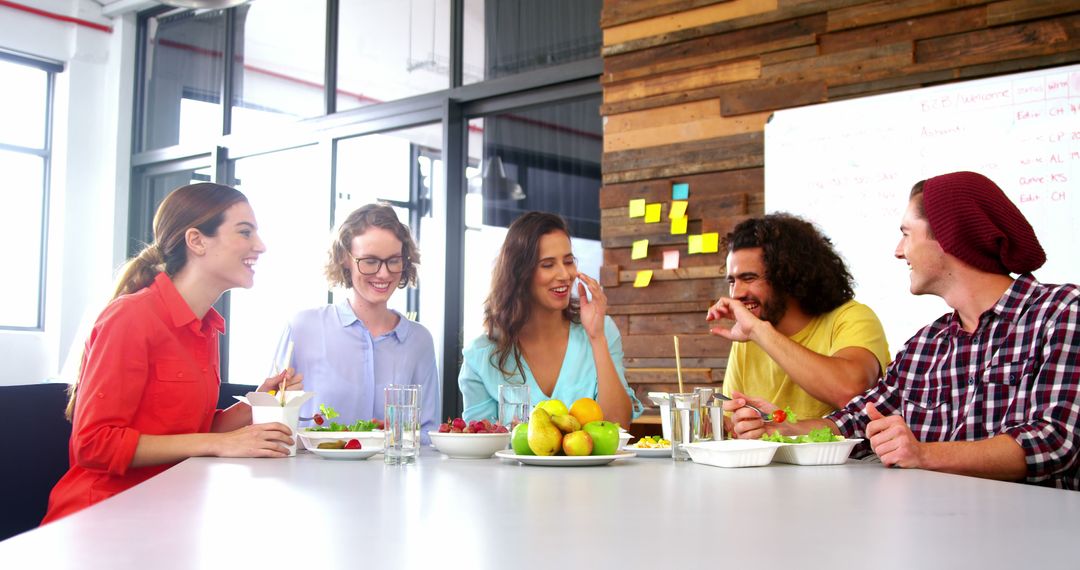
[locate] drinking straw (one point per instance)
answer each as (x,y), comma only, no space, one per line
(678,363)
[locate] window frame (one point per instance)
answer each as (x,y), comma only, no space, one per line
(51,68)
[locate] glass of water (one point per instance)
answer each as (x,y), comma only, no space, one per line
(514,404)
(402,424)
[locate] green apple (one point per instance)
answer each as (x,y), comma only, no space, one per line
(519,441)
(577,443)
(605,437)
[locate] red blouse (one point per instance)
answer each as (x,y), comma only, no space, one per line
(150,366)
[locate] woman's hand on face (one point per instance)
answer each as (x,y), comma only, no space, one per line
(260,440)
(592,311)
(292,380)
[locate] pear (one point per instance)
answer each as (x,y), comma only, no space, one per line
(544,437)
(566,423)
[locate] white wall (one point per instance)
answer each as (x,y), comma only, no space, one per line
(88,194)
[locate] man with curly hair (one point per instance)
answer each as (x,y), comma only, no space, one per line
(800,338)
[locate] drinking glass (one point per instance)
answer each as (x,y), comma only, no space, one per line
(514,405)
(402,424)
(685,423)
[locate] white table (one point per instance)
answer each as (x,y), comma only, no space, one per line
(307,513)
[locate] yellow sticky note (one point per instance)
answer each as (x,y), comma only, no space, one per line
(678,209)
(694,244)
(637,208)
(710,243)
(678,226)
(643,278)
(652,213)
(640,250)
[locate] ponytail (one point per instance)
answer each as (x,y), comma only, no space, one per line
(201,206)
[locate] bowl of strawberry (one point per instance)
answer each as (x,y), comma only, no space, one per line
(478,439)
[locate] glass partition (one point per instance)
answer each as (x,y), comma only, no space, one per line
(505,37)
(545,158)
(389,49)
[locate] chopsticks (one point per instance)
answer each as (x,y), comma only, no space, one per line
(284,378)
(678,363)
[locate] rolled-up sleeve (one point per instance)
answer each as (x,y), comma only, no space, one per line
(114,376)
(1048,439)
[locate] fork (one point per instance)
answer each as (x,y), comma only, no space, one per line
(764,416)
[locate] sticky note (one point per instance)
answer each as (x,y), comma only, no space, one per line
(678,227)
(671,259)
(640,250)
(710,243)
(652,213)
(637,208)
(643,278)
(694,244)
(678,209)
(680,191)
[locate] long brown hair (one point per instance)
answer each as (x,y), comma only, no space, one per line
(340,265)
(201,206)
(509,304)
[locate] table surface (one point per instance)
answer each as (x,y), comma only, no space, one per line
(307,512)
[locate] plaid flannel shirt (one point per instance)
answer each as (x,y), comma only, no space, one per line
(1017,374)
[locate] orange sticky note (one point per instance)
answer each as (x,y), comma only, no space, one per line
(652,213)
(693,244)
(678,209)
(637,208)
(644,277)
(671,259)
(640,249)
(678,226)
(710,243)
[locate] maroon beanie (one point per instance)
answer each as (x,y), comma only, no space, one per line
(975,221)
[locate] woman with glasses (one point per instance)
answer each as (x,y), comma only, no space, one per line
(349,351)
(539,335)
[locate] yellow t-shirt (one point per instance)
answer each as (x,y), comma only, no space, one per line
(752,372)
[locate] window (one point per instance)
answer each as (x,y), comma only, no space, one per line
(25,114)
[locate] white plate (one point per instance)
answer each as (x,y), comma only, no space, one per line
(649,451)
(345,453)
(822,453)
(563,460)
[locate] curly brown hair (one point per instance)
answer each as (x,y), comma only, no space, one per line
(339,266)
(800,262)
(509,304)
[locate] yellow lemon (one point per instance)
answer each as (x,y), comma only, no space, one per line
(553,407)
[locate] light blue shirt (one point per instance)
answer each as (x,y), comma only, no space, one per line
(348,369)
(479,379)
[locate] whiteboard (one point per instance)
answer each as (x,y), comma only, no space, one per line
(849,167)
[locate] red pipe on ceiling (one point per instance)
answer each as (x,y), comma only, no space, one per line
(55,16)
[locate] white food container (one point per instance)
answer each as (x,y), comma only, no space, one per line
(733,452)
(663,399)
(824,453)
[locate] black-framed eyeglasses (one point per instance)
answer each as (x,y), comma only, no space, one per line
(372,265)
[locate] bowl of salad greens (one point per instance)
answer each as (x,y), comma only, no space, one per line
(819,447)
(368,432)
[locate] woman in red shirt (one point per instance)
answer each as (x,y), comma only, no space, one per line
(148,385)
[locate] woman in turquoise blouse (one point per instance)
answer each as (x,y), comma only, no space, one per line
(537,334)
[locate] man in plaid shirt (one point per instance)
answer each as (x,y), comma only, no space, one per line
(991,389)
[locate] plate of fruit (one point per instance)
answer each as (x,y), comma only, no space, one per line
(650,446)
(554,436)
(350,449)
(478,439)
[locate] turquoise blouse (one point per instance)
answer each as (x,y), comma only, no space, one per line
(479,379)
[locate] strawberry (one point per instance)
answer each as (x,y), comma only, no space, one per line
(352,444)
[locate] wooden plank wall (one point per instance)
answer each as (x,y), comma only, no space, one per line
(688,87)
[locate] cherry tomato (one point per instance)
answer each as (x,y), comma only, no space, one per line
(318,419)
(779,416)
(352,444)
